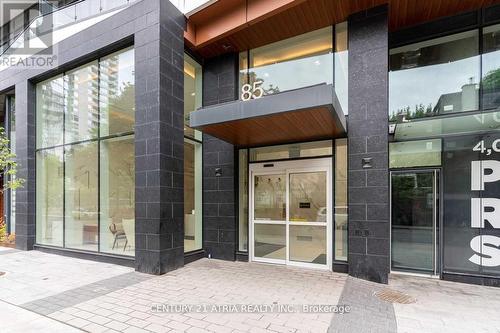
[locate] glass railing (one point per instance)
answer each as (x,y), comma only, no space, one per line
(62,17)
(293,74)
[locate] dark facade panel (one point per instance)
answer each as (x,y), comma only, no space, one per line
(220,84)
(369,235)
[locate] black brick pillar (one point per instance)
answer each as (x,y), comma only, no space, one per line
(159,140)
(220,84)
(369,229)
(25,156)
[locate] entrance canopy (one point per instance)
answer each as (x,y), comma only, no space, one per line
(305,114)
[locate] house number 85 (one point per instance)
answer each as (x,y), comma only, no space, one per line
(253,91)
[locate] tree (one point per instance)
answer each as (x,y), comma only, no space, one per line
(492,79)
(8,166)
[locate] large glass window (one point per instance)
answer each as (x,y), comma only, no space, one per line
(293,63)
(491,67)
(80,196)
(438,76)
(243,200)
(85,157)
(117,184)
(192,195)
(50,112)
(49,196)
(117,94)
(341,211)
(193,156)
(80,103)
(192,93)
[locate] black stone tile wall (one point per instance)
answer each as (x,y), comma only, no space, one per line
(220,84)
(159,142)
(369,228)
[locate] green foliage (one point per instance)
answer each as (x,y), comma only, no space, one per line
(8,164)
(492,79)
(3,231)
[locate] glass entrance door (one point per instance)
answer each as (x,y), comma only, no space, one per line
(290,212)
(414,220)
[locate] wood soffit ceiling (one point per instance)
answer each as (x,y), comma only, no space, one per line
(235,25)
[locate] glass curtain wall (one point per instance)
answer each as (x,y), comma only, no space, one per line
(193,156)
(85,157)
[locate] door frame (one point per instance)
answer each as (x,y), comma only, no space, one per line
(287,167)
(438,221)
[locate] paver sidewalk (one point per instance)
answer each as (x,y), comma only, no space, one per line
(16,320)
(44,292)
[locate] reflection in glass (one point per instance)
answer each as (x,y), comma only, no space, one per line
(49,112)
(81,109)
(308,197)
(117,195)
(11,100)
(308,244)
(193,228)
(293,63)
(270,241)
(341,211)
(243,200)
(461,125)
(294,150)
(117,93)
(341,65)
(434,77)
(491,67)
(415,153)
(192,93)
(413,221)
(269,197)
(49,198)
(80,196)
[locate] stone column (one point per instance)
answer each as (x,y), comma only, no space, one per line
(369,226)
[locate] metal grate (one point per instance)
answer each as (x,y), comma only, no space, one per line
(394,296)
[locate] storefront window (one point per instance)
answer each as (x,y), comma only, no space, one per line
(491,67)
(292,63)
(435,77)
(192,195)
(85,185)
(341,211)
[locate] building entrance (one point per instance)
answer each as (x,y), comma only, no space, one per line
(291,212)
